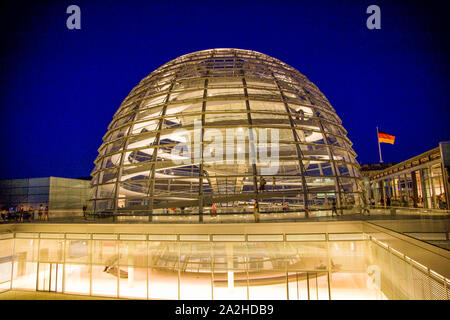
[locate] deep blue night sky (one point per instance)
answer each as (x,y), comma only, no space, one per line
(60,87)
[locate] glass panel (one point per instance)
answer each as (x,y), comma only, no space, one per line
(226,105)
(104,280)
(298,286)
(226,92)
(77,251)
(26,249)
(105,252)
(105,191)
(117,134)
(267,106)
(353,286)
(196,94)
(76,279)
(133,253)
(134,284)
(108,175)
(24,275)
(348,255)
(146,126)
(6,255)
(44,277)
(195,277)
(25,266)
(154,101)
(163,270)
(51,250)
(230,276)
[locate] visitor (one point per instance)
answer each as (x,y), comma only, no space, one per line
(256,211)
(262,183)
(302,114)
(4,215)
(214,209)
(442,204)
(46,213)
(25,214)
(40,212)
(19,216)
(31,214)
(333,208)
(307,213)
(10,214)
(84,211)
(388,201)
(365,209)
(285,207)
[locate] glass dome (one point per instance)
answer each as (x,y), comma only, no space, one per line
(224,131)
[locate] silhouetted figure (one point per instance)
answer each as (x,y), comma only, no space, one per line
(31,214)
(84,211)
(388,201)
(302,114)
(46,213)
(366,208)
(333,208)
(256,211)
(40,212)
(10,214)
(20,215)
(262,184)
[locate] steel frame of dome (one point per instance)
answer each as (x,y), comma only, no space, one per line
(135,172)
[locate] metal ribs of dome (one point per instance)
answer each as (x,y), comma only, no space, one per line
(223,89)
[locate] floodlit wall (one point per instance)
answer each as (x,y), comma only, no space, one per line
(158,268)
(340,260)
(64,197)
(68,196)
(344,266)
(6,253)
(24,192)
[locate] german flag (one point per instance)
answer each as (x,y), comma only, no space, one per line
(385,137)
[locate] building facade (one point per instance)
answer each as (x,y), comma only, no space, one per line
(420,182)
(63,196)
(224,131)
(280,261)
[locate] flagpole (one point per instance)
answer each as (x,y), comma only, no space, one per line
(379,148)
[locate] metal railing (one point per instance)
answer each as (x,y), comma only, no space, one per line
(404,278)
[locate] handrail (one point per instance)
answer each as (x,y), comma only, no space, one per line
(418,210)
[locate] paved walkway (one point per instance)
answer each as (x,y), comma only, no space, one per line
(248,218)
(38,295)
